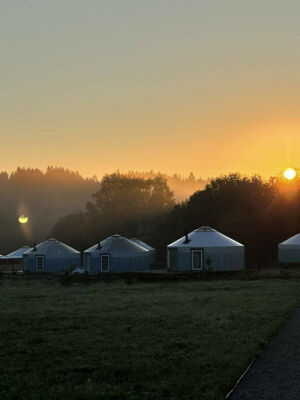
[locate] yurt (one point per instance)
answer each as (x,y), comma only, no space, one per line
(51,256)
(205,249)
(117,254)
(146,246)
(289,250)
(13,261)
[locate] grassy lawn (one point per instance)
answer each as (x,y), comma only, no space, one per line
(173,340)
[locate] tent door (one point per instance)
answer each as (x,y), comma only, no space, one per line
(197,260)
(173,259)
(87,262)
(105,262)
(40,263)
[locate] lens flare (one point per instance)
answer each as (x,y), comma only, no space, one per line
(289,173)
(23,219)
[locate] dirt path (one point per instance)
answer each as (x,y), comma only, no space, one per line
(275,375)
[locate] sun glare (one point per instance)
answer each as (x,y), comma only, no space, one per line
(289,173)
(23,219)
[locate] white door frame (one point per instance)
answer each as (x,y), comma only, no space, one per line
(108,257)
(202,259)
(43,258)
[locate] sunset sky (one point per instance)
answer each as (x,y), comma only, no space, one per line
(209,86)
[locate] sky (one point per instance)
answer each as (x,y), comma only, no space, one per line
(209,86)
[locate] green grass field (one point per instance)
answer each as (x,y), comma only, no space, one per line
(172,340)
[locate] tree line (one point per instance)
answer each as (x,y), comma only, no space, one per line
(182,186)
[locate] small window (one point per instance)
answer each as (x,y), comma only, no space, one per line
(40,263)
(197,259)
(104,263)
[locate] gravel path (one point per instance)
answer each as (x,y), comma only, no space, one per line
(275,374)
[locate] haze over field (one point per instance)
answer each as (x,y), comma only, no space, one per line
(205,86)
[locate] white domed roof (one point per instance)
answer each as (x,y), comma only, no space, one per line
(117,244)
(293,241)
(205,237)
(142,244)
(18,253)
(53,248)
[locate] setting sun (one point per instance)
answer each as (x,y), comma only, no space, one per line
(289,173)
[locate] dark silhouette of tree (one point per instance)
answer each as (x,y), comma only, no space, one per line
(122,194)
(73,229)
(125,205)
(182,187)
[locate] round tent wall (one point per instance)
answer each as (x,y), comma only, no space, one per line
(205,249)
(117,254)
(289,250)
(51,256)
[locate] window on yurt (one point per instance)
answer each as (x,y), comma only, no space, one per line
(197,259)
(105,263)
(40,263)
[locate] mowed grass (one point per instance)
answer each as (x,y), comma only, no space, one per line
(173,340)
